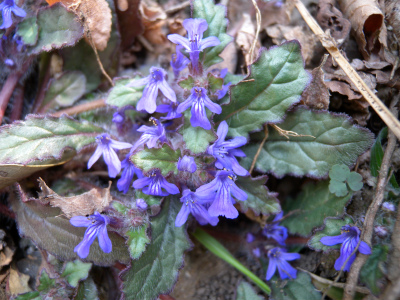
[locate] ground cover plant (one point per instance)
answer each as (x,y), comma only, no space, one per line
(199,150)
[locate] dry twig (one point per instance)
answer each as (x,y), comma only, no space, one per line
(258,18)
(259,149)
(81,108)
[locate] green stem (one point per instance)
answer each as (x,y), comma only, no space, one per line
(216,247)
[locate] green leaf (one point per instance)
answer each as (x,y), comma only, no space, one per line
(217,23)
(137,241)
(156,271)
(46,283)
(197,139)
(259,198)
(28,30)
(354,180)
(164,159)
(332,227)
(377,152)
(245,292)
(64,90)
(187,83)
(339,172)
(87,290)
(338,188)
(121,95)
(58,28)
(40,142)
(275,83)
(76,271)
(54,233)
(371,272)
(314,204)
(300,288)
(29,296)
(214,83)
(336,141)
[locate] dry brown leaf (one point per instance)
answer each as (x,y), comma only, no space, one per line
(6,256)
(275,12)
(367,21)
(80,205)
(392,8)
(153,18)
(316,95)
(245,38)
(96,15)
(18,282)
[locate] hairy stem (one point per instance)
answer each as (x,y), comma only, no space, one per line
(6,92)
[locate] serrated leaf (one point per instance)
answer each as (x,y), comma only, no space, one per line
(76,271)
(137,241)
(217,23)
(196,139)
(300,288)
(51,231)
(314,204)
(276,81)
(354,180)
(57,28)
(338,188)
(336,141)
(246,292)
(339,172)
(163,158)
(64,90)
(259,198)
(46,283)
(28,30)
(156,271)
(371,272)
(332,227)
(40,142)
(122,95)
(87,290)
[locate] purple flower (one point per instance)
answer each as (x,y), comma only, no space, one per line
(278,258)
(225,151)
(178,61)
(388,206)
(105,147)
(250,238)
(141,204)
(7,7)
(256,252)
(171,109)
(222,92)
(193,204)
(129,170)
(151,135)
(154,82)
(187,164)
(194,43)
(96,226)
(349,240)
(220,192)
(197,100)
(381,231)
(276,232)
(155,185)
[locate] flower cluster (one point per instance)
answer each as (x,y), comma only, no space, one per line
(7,8)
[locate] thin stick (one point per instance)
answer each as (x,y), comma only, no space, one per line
(259,149)
(329,43)
(287,133)
(258,18)
(81,108)
(99,61)
(6,92)
(368,226)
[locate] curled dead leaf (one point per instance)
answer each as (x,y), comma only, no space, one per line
(245,38)
(316,95)
(153,18)
(18,282)
(80,205)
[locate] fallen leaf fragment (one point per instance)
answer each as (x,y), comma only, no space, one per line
(80,205)
(18,282)
(153,18)
(245,38)
(316,95)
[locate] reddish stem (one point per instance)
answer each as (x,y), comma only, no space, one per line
(18,103)
(7,91)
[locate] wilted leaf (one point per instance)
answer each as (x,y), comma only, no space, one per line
(300,288)
(29,31)
(57,28)
(164,159)
(371,272)
(64,90)
(18,282)
(332,140)
(316,95)
(47,227)
(259,198)
(76,271)
(314,204)
(275,83)
(156,271)
(122,95)
(80,205)
(246,292)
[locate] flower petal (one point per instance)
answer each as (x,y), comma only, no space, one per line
(209,42)
(95,156)
(112,161)
(104,240)
(364,248)
(334,240)
(271,269)
(179,40)
(182,216)
(80,221)
(167,91)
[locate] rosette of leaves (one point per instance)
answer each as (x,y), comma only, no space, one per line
(342,180)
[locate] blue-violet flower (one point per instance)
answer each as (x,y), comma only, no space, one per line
(178,61)
(193,204)
(187,164)
(96,226)
(197,100)
(225,151)
(7,7)
(220,192)
(225,87)
(151,135)
(141,204)
(129,170)
(170,109)
(154,82)
(276,232)
(349,240)
(105,147)
(155,185)
(278,258)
